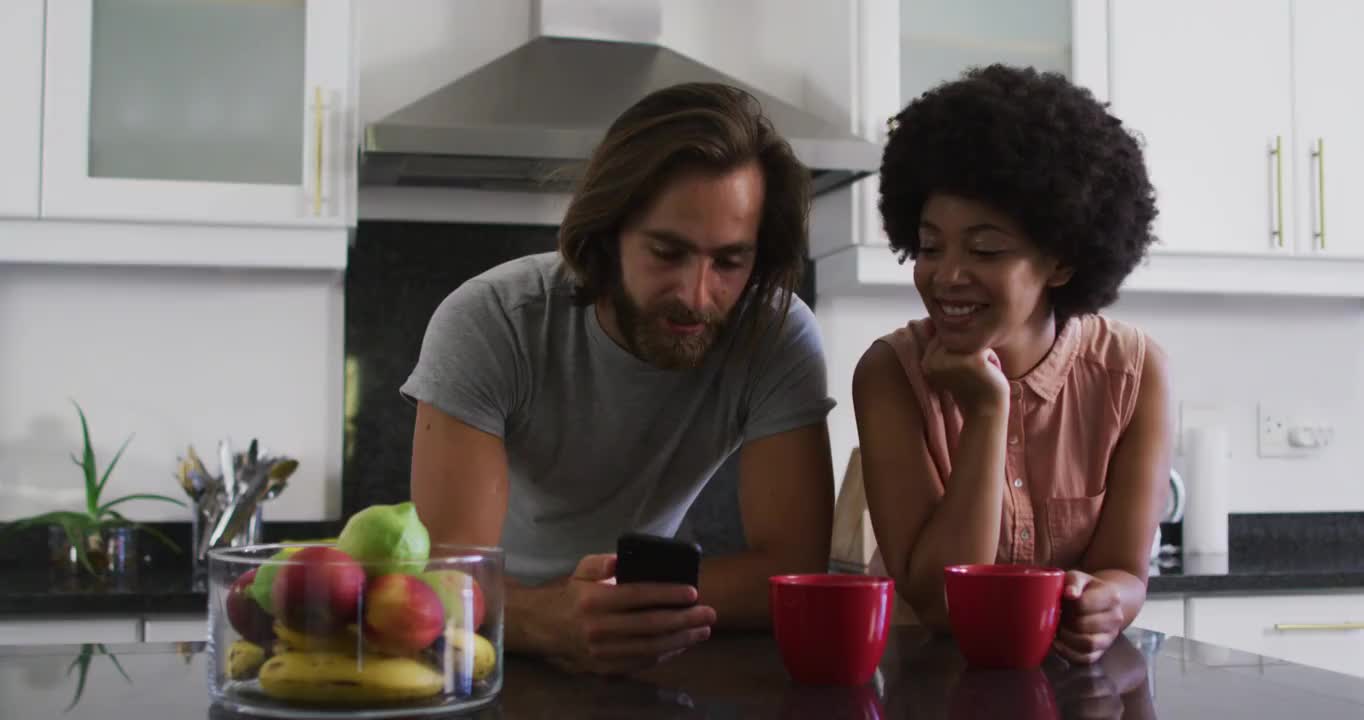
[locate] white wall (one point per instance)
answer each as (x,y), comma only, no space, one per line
(1226,355)
(177,357)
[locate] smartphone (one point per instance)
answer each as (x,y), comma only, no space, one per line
(653,558)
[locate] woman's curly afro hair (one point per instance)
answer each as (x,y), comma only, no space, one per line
(1038,148)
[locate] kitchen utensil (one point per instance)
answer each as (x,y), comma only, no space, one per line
(279,477)
(228,465)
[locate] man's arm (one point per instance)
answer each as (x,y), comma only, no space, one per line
(786,500)
(460,488)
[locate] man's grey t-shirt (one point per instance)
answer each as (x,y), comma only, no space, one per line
(598,441)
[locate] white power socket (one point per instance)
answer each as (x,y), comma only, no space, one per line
(1293,433)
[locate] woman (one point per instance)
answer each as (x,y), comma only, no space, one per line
(1014,424)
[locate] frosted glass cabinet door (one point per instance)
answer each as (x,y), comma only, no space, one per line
(21,104)
(212,111)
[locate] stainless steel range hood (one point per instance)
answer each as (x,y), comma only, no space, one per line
(529,119)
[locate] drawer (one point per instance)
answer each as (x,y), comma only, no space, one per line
(1162,614)
(70,631)
(189,627)
(1321,630)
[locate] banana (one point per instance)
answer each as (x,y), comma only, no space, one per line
(329,677)
(244,659)
(295,640)
(468,653)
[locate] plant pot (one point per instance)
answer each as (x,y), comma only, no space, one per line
(112,552)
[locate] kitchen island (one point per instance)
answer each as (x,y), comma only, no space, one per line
(1146,675)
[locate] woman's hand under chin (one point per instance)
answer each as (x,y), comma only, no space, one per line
(976,379)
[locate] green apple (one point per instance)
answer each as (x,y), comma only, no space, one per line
(386,539)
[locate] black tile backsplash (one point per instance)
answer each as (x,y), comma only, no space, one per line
(398,273)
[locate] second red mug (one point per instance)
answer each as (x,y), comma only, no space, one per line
(831,629)
(1003,616)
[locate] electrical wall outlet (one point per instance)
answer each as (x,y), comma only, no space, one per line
(1288,432)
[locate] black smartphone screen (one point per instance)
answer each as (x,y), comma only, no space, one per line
(652,558)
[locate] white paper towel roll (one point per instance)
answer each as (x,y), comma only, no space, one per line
(1206,480)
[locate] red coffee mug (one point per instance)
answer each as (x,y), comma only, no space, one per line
(831,629)
(1003,616)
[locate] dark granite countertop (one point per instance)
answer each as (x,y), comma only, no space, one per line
(162,583)
(1273,552)
(1239,573)
(1145,675)
(32,591)
(1286,553)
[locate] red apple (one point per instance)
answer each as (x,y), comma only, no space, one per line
(318,592)
(402,614)
(461,595)
(246,615)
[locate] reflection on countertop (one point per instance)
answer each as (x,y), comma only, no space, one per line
(740,675)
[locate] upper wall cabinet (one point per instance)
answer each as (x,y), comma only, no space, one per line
(21,87)
(1252,137)
(1215,108)
(213,111)
(1329,131)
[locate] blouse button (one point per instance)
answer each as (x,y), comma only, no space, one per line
(1018,483)
(1013,439)
(1025,534)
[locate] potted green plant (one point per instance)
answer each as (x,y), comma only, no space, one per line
(88,532)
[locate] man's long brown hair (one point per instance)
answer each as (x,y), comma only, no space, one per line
(706,126)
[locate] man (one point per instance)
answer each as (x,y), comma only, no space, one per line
(564,399)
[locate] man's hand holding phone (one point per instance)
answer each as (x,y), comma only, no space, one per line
(633,610)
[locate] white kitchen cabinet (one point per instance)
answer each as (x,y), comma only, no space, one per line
(70,630)
(215,111)
(21,86)
(1162,614)
(1321,630)
(184,627)
(1329,100)
(1208,84)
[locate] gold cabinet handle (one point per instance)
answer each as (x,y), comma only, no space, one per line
(317,150)
(1294,627)
(1277,153)
(1320,155)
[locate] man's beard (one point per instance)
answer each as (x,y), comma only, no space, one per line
(647,336)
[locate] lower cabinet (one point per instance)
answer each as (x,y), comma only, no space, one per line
(1162,614)
(190,627)
(75,630)
(1324,630)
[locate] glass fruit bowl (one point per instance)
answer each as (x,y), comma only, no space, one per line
(308,630)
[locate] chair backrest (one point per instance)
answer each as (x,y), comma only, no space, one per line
(852,543)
